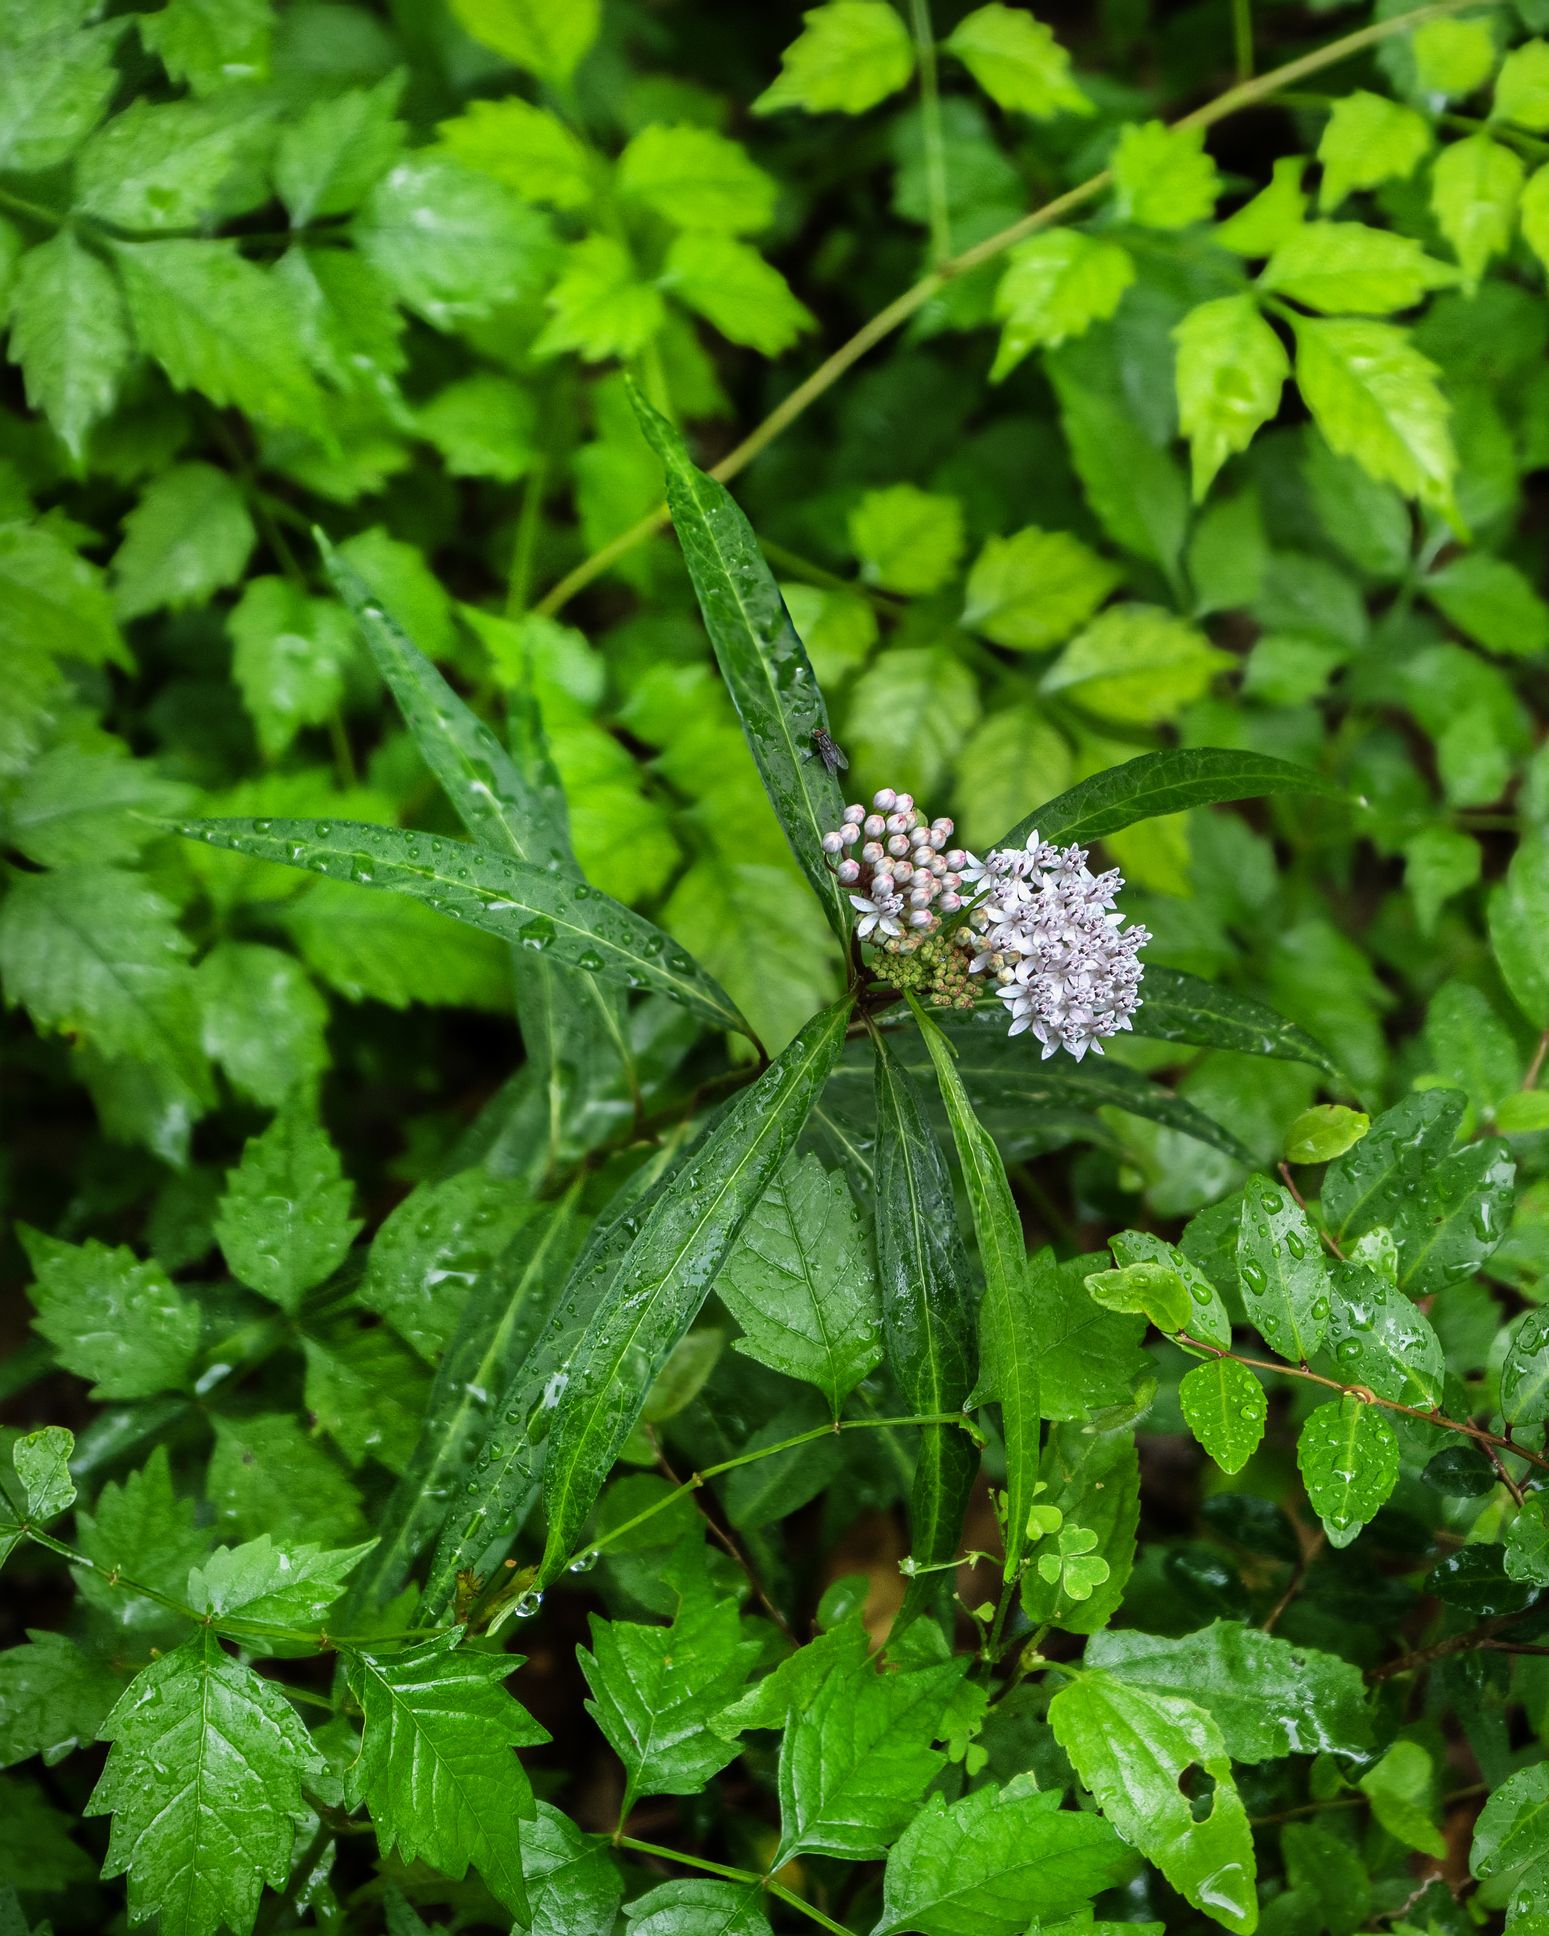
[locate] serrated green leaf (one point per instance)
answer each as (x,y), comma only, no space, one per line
(284,1224)
(435,1767)
(666,1275)
(210,43)
(110,1317)
(697,179)
(1366,141)
(907,540)
(1017,61)
(1034,588)
(189,536)
(523,147)
(290,658)
(1135,663)
(1054,287)
(910,711)
(1343,268)
(655,1688)
(1133,485)
(566,921)
(366,1391)
(41,1461)
(218,324)
(762,661)
(1493,602)
(261,1020)
(986,1864)
(1163,176)
(52,1699)
(699,1908)
(52,93)
(334,154)
(431,1250)
(731,285)
(1231,370)
(927,1318)
(53,601)
(484,426)
(1348,1457)
(1267,1697)
(141,1527)
(1267,218)
(599,307)
(1177,1007)
(1008,1336)
(1284,1280)
(549,38)
(573,1886)
(203,1782)
(850,55)
(1374,397)
(86,799)
(160,165)
(264,1584)
(801,1283)
(268,1474)
(1475,186)
(70,335)
(388,948)
(1225,1407)
(1131,1747)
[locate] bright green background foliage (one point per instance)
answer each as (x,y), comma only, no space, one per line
(467,1192)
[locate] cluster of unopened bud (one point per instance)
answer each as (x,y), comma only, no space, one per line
(937,971)
(902,875)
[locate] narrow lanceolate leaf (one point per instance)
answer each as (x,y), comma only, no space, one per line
(1132,1747)
(1177,1007)
(1165,782)
(926,1311)
(1280,1261)
(667,1274)
(564,920)
(1224,1406)
(802,1285)
(435,1766)
(203,1782)
(503,1315)
(995,1861)
(1348,1454)
(1008,1340)
(763,662)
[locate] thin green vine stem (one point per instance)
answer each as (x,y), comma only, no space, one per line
(930,127)
(1245,94)
(584,1556)
(729,1874)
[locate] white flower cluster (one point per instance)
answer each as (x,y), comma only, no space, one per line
(904,876)
(1046,930)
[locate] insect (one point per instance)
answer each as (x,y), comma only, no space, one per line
(831,755)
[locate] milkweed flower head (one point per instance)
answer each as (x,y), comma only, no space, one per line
(901,874)
(1044,926)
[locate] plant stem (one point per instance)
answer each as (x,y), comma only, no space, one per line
(1245,94)
(1242,39)
(749,1876)
(1489,1440)
(930,127)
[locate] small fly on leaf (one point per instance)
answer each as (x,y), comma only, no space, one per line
(831,755)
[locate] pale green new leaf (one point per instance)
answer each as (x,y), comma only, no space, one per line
(850,55)
(1475,186)
(1034,588)
(801,1283)
(1008,1332)
(70,334)
(1342,268)
(1055,286)
(1401,1788)
(697,179)
(110,1317)
(1207,1317)
(435,1766)
(1225,1407)
(161,165)
(1348,1456)
(219,324)
(1266,219)
(1374,397)
(1285,1283)
(1017,61)
(990,1863)
(1267,1697)
(203,1782)
(284,1223)
(1368,140)
(907,540)
(1522,86)
(599,307)
(731,285)
(1131,1747)
(564,920)
(547,37)
(210,43)
(665,1276)
(655,1688)
(1163,176)
(1137,664)
(1231,370)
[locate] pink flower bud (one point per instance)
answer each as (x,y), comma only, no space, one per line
(902,871)
(832,843)
(849,871)
(920,897)
(898,846)
(922,918)
(905,803)
(871,853)
(942,826)
(884,799)
(956,859)
(849,833)
(949,902)
(919,836)
(856,814)
(876,826)
(898,823)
